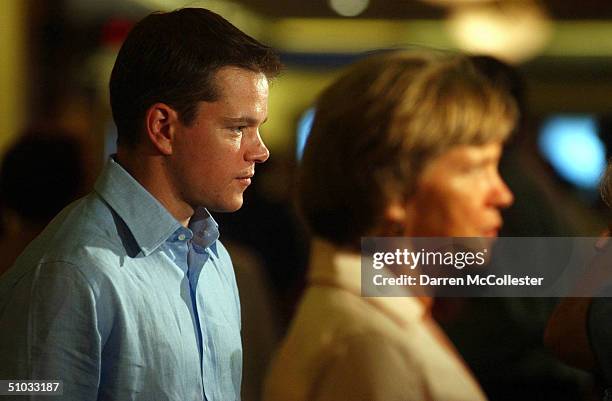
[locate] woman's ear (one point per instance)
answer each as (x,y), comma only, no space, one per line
(160,127)
(395,211)
(397,219)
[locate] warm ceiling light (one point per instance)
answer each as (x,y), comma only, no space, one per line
(349,8)
(447,3)
(513,31)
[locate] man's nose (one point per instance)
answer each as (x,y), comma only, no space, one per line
(258,152)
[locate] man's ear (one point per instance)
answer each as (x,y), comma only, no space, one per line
(160,126)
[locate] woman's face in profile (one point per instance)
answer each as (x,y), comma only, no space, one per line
(459,194)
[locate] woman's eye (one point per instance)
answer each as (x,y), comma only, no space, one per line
(476,168)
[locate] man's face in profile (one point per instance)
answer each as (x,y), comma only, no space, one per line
(460,194)
(214,158)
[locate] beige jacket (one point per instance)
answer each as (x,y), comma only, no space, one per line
(344,347)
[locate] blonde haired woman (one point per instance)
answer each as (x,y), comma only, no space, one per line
(402,144)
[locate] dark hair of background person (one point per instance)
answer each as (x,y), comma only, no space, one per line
(39,175)
(172,58)
(507,78)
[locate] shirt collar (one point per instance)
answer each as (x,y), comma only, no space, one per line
(205,230)
(148,221)
(332,266)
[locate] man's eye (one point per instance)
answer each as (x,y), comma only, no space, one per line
(238,130)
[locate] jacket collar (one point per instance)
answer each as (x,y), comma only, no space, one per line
(332,266)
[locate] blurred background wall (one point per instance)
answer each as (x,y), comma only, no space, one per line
(57,55)
(12,69)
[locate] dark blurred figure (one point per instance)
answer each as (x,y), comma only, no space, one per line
(501,338)
(542,207)
(579,330)
(268,225)
(39,175)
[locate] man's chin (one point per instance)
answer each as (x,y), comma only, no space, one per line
(228,207)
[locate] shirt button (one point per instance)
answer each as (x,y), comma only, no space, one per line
(181,237)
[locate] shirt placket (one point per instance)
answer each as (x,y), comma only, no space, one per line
(196,262)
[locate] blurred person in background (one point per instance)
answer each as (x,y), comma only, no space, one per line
(39,175)
(403,144)
(579,330)
(129,295)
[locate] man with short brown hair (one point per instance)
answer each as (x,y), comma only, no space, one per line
(128,294)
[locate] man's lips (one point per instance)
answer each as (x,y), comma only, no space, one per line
(245,178)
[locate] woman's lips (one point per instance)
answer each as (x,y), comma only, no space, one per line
(492,232)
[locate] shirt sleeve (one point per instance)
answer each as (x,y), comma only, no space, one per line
(368,368)
(53,334)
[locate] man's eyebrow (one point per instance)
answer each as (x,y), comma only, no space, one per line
(243,120)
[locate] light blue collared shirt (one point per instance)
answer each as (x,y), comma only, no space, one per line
(121,302)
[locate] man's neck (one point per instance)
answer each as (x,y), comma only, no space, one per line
(150,172)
